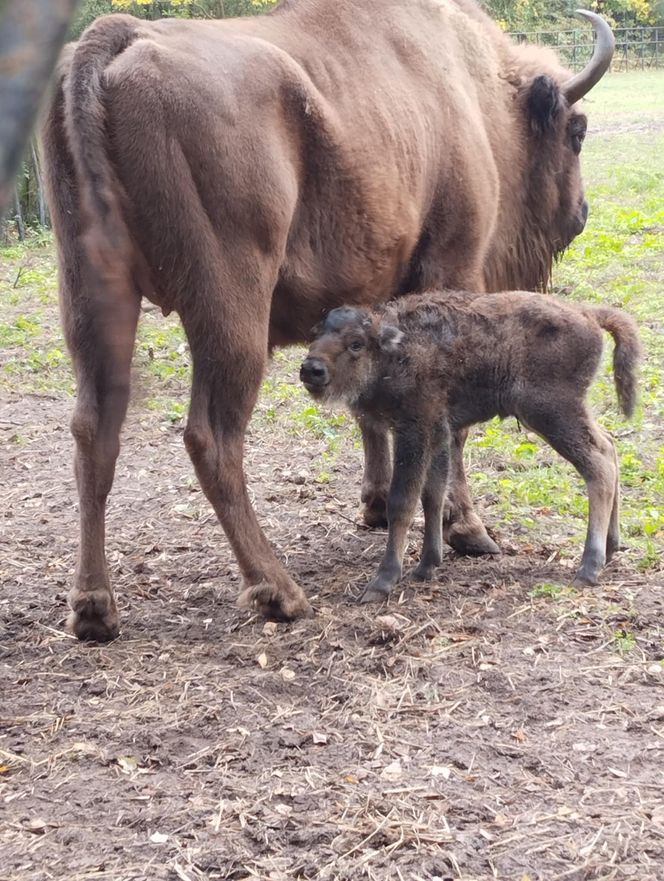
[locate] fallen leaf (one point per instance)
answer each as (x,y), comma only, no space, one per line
(319,737)
(393,771)
(261,660)
(128,764)
(389,622)
(270,628)
(657,816)
(36,825)
(440,771)
(520,735)
(158,837)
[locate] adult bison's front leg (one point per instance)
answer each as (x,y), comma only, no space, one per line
(228,367)
(377,470)
(462,528)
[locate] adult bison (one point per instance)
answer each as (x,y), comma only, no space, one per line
(252,174)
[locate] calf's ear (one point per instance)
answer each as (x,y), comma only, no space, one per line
(389,337)
(544,103)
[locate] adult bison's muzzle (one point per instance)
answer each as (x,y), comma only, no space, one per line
(314,375)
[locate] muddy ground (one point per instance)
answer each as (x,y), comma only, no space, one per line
(490,725)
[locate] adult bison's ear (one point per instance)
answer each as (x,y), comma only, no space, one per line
(544,103)
(389,337)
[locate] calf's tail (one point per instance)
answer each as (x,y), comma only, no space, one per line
(626,354)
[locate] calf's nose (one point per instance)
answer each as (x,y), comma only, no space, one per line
(314,372)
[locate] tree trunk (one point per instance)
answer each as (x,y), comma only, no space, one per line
(43,211)
(18,217)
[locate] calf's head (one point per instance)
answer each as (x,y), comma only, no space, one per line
(343,359)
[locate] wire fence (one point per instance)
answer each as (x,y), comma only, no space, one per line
(636,48)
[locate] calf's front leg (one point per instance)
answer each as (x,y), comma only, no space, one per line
(411,457)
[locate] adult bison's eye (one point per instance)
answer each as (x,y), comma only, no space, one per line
(356,346)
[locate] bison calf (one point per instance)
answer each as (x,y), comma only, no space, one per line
(435,364)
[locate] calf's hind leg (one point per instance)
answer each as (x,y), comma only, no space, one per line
(574,434)
(229,355)
(613,535)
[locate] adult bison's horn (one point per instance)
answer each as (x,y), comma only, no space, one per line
(580,84)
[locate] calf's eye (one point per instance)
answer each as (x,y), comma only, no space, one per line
(356,346)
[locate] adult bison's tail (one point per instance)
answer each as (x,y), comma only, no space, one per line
(101,193)
(626,354)
(111,257)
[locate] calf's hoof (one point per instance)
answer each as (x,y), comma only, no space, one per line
(374,514)
(379,588)
(374,596)
(423,572)
(93,616)
(470,539)
(587,575)
(276,601)
(612,546)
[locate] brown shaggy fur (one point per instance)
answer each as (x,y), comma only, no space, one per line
(252,174)
(433,364)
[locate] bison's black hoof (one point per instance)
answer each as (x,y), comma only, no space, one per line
(374,596)
(379,588)
(423,572)
(471,544)
(276,601)
(94,617)
(586,576)
(374,512)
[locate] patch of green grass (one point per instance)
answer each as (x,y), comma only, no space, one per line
(624,641)
(551,591)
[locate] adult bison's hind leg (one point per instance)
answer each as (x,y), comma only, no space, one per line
(100,332)
(377,471)
(229,353)
(103,374)
(462,528)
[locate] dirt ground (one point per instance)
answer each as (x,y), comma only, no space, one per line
(478,727)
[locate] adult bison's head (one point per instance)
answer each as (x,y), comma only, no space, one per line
(553,209)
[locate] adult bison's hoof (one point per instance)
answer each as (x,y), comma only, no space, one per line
(276,601)
(374,514)
(470,539)
(93,617)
